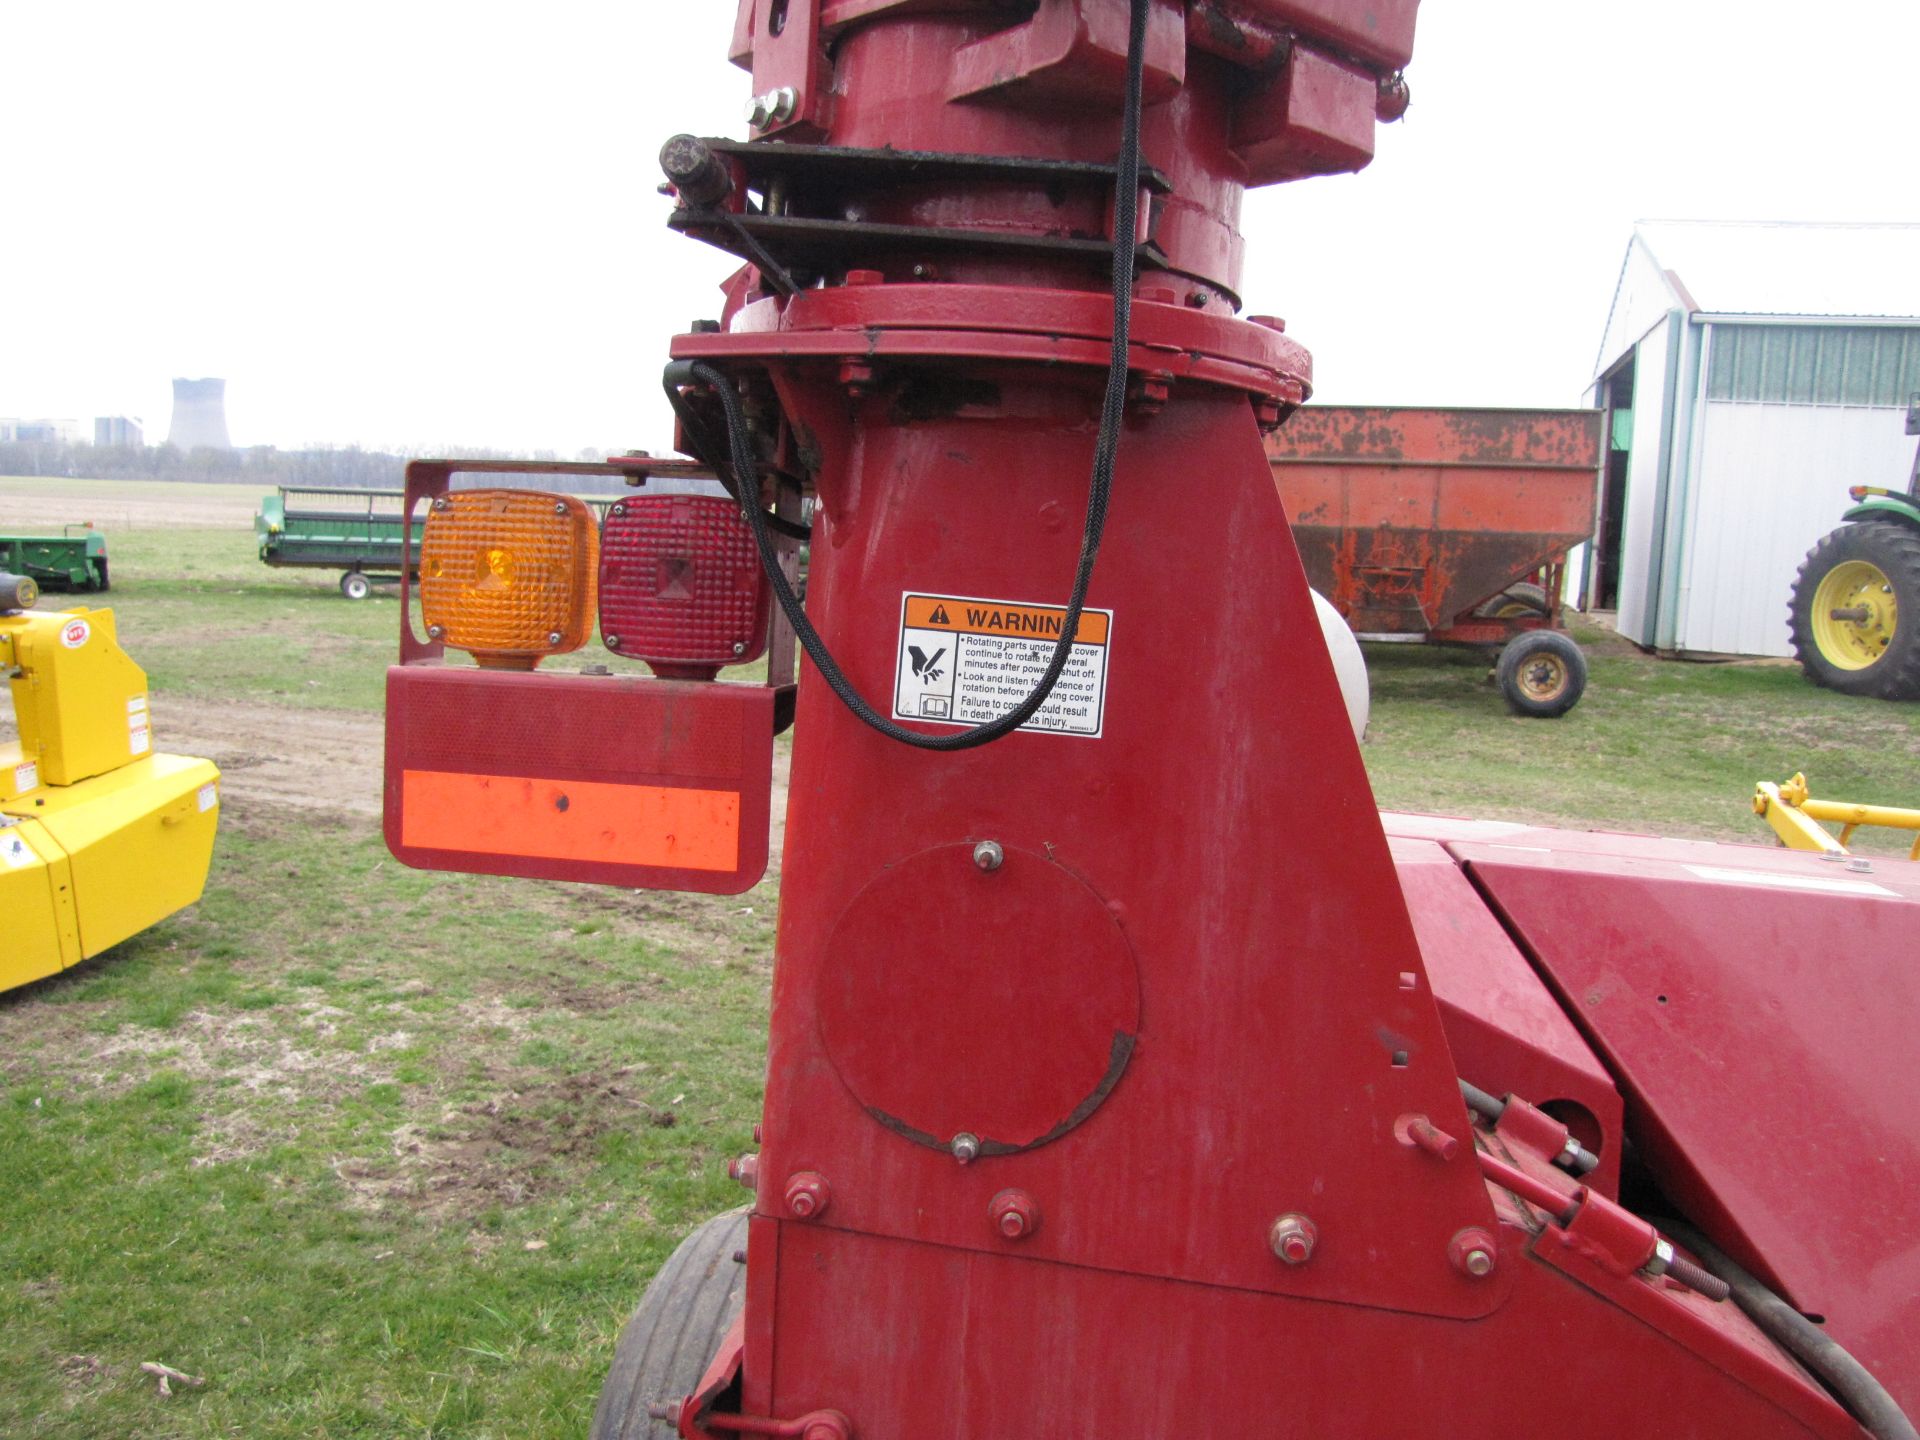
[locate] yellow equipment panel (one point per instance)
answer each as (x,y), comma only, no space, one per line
(36,903)
(139,841)
(79,699)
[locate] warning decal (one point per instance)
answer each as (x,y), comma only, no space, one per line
(966,661)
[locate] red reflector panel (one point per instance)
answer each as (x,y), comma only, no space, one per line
(616,780)
(681,585)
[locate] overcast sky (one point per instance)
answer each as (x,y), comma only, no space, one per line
(423,224)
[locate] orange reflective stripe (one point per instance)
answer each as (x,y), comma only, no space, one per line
(674,828)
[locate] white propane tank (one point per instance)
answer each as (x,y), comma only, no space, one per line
(1349,665)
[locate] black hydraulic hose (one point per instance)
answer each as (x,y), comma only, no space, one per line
(1863,1395)
(1579,1159)
(701,445)
(740,445)
(1481,1103)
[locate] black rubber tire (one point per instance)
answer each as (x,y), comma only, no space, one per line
(355,586)
(1548,645)
(1894,547)
(104,585)
(668,1344)
(1526,598)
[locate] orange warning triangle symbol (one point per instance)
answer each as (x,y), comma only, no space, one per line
(939,616)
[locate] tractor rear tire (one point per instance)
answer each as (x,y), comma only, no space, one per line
(1873,567)
(1542,673)
(673,1335)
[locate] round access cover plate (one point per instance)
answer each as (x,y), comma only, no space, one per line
(1002,1004)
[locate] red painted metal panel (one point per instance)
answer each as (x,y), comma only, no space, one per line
(1756,1008)
(1276,1044)
(1508,1032)
(1078,1353)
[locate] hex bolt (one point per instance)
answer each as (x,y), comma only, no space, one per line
(745,1169)
(618,508)
(612,642)
(807,1195)
(759,111)
(434,632)
(988,855)
(739,647)
(783,103)
(1473,1252)
(1014,1214)
(559,507)
(1293,1238)
(966,1147)
(553,637)
(440,502)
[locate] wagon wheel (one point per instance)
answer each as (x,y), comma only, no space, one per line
(355,586)
(1515,602)
(1542,673)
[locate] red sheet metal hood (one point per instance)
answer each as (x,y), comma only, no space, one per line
(1757,1009)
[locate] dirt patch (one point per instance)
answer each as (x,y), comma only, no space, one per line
(49,505)
(327,760)
(244,1050)
(504,1150)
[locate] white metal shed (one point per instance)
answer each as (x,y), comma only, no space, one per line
(1751,371)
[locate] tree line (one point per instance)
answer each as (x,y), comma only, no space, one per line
(262,465)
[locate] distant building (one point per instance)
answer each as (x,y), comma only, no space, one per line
(1750,373)
(43,432)
(199,415)
(119,430)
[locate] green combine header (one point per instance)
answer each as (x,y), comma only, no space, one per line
(76,559)
(356,532)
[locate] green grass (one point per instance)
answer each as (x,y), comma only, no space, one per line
(300,1141)
(1654,746)
(208,621)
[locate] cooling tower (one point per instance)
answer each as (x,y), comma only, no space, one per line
(199,415)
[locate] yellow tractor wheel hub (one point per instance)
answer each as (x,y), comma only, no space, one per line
(1854,614)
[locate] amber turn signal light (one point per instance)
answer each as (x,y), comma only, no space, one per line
(681,586)
(508,575)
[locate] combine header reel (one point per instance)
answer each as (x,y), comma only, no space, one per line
(1104,1098)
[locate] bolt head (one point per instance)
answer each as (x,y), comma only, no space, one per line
(619,507)
(807,1195)
(612,642)
(1473,1252)
(1014,1214)
(744,1170)
(988,855)
(783,103)
(1293,1237)
(739,647)
(559,507)
(965,1147)
(434,632)
(553,637)
(759,110)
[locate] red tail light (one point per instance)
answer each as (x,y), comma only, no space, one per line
(681,586)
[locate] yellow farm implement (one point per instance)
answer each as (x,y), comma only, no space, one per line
(100,837)
(1800,820)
